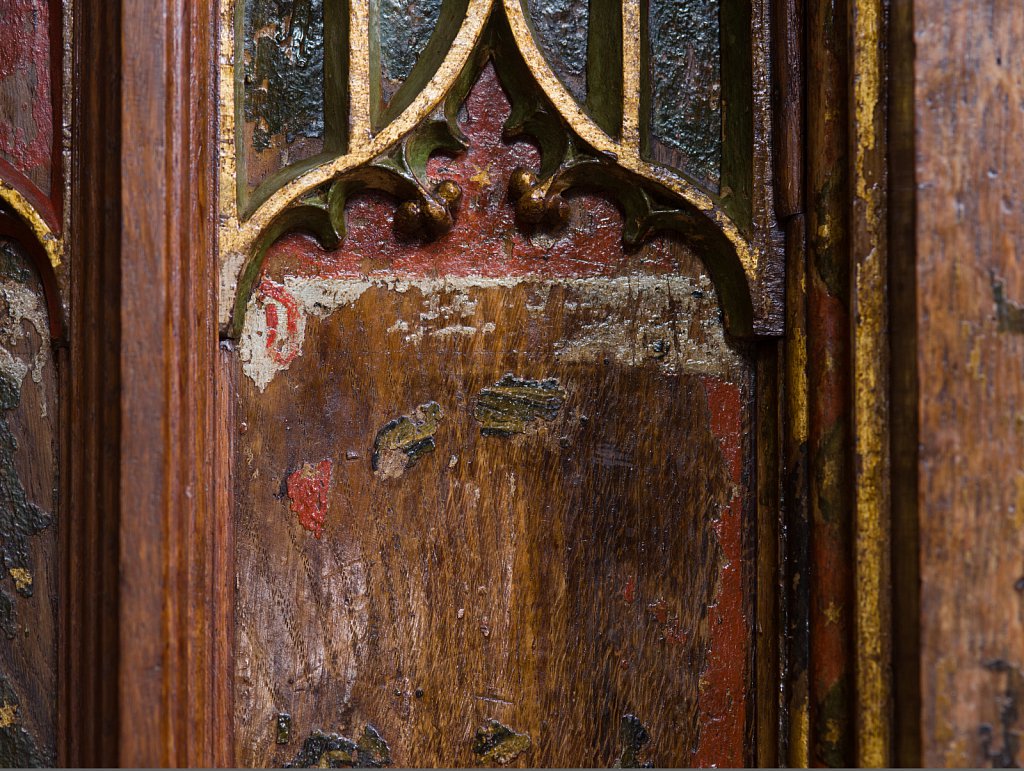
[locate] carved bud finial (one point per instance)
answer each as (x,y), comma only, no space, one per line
(534,201)
(433,214)
(408,218)
(450,193)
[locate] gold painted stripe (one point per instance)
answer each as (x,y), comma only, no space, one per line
(360,128)
(870,372)
(230,184)
(631,80)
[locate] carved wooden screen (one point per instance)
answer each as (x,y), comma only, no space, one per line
(493,273)
(33,284)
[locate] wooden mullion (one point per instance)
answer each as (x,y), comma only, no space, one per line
(168,501)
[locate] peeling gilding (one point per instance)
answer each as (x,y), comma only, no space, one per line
(22,580)
(8,714)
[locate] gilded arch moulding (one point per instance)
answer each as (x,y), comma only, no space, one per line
(367,142)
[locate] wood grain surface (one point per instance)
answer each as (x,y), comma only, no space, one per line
(29,521)
(577,569)
(969,83)
(555,580)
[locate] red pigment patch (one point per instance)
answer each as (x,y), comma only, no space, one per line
(671,630)
(485,240)
(25,70)
(659,610)
(282,345)
(307,490)
(724,680)
(629,591)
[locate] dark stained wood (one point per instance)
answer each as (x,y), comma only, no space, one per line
(970,361)
(795,534)
(88,684)
(769,587)
(906,610)
(792,628)
(788,60)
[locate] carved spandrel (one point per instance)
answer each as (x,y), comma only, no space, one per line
(724,209)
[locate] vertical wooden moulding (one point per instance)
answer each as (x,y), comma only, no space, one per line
(788,63)
(170,599)
(796,530)
(767,648)
(223,560)
(870,376)
(906,606)
(88,694)
(828,350)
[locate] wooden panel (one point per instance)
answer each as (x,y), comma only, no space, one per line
(29,520)
(584,581)
(970,292)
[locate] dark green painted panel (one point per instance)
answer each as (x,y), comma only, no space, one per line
(405,29)
(684,86)
(284,70)
(561,28)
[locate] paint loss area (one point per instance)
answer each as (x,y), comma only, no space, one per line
(514,487)
(538,509)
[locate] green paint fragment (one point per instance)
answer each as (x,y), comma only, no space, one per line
(512,404)
(496,743)
(323,750)
(634,736)
(403,441)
